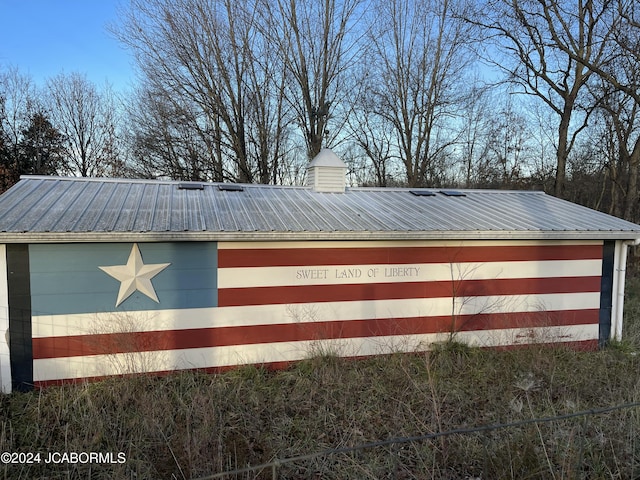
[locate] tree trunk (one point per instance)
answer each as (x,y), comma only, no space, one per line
(631,198)
(563,151)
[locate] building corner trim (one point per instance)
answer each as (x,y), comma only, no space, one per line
(19,301)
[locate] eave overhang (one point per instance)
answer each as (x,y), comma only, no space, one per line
(120,237)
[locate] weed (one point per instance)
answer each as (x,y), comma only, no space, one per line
(191,424)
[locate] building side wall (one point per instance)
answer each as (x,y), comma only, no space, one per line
(285,301)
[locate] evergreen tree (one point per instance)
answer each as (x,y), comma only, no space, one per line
(41,150)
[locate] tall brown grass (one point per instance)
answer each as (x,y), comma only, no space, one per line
(193,424)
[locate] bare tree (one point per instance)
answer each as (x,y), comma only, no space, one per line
(30,144)
(18,102)
(621,35)
(210,60)
(86,117)
(166,142)
(376,142)
(495,146)
(617,94)
(318,41)
(620,113)
(611,189)
(587,175)
(477,117)
(412,86)
(507,145)
(546,46)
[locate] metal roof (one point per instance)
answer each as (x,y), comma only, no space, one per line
(50,209)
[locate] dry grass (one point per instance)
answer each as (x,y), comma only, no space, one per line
(191,424)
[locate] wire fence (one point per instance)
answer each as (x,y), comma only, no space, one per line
(274,465)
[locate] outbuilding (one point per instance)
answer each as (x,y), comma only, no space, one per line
(104,277)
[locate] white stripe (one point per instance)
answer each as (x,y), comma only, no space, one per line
(421,272)
(139,362)
(399,243)
(5,353)
(154,320)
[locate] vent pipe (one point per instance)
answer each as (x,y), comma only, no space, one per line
(326,172)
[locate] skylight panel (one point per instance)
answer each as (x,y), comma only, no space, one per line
(453,193)
(422,193)
(230,187)
(190,186)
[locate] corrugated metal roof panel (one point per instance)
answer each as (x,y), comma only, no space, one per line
(293,205)
(280,206)
(146,208)
(72,207)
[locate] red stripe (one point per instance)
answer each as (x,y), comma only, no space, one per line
(228,297)
(106,344)
(583,345)
(286,257)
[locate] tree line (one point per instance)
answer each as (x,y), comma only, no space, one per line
(468,93)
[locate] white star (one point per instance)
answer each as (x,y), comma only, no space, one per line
(135,275)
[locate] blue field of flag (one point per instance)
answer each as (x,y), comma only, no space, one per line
(67,278)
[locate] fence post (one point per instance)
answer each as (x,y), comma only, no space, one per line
(583,434)
(395,462)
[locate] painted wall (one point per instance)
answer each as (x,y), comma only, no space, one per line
(363,298)
(84,323)
(225,304)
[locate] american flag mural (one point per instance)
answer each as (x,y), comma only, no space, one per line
(119,308)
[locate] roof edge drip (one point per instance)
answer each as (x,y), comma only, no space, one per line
(122,237)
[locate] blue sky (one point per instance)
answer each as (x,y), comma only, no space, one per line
(46,37)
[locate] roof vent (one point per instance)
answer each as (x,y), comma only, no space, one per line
(230,187)
(453,193)
(190,186)
(422,193)
(326,172)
